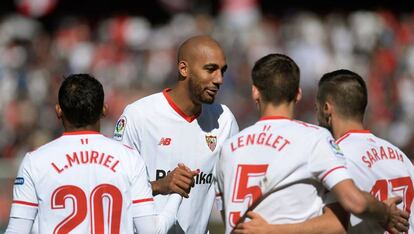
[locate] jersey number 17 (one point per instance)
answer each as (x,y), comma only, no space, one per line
(404,185)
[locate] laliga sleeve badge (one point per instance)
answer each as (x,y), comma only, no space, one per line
(120,128)
(335,148)
(19,181)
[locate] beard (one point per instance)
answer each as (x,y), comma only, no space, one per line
(324,122)
(200,94)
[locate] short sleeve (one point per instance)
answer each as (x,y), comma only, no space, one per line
(125,130)
(219,197)
(219,178)
(327,162)
(141,192)
(234,127)
(25,202)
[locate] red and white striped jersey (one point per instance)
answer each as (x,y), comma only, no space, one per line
(165,136)
(279,167)
(378,167)
(82,182)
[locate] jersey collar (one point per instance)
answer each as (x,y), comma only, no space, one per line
(350,132)
(263,118)
(177,109)
(80,133)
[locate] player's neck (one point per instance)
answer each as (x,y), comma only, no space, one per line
(182,98)
(71,128)
(342,126)
(282,110)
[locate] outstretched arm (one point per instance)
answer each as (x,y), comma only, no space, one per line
(334,220)
(365,206)
(159,223)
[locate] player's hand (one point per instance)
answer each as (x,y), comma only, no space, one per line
(180,181)
(257,225)
(397,219)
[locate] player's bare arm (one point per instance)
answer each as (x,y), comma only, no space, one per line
(180,181)
(365,206)
(334,220)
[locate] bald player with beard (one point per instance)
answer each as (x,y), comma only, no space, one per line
(183,126)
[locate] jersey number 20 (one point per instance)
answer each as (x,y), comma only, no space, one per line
(80,207)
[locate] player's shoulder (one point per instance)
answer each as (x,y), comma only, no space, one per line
(304,129)
(218,111)
(144,104)
(48,147)
(250,129)
(114,144)
(357,137)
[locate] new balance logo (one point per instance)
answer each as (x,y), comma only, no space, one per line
(165,141)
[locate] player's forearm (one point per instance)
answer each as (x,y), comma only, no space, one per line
(375,210)
(313,227)
(318,225)
(161,223)
(168,216)
(334,220)
(360,203)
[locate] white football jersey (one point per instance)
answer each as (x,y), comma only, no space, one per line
(165,136)
(82,182)
(278,167)
(380,168)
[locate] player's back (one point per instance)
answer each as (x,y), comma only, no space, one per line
(380,168)
(284,160)
(83,182)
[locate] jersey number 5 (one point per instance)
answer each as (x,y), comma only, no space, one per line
(80,207)
(402,184)
(246,173)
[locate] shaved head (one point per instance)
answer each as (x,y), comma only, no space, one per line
(190,48)
(201,65)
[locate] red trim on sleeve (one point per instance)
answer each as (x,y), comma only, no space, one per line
(143,200)
(218,194)
(80,133)
(349,133)
(25,203)
(177,109)
(330,171)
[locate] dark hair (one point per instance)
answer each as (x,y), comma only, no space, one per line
(277,77)
(81,98)
(348,92)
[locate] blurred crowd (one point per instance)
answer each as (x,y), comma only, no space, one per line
(133,58)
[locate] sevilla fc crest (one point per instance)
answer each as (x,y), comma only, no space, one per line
(211,142)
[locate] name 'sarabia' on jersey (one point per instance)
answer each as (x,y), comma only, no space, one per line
(79,182)
(166,136)
(279,167)
(378,167)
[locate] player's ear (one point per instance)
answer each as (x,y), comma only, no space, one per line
(255,94)
(298,95)
(58,111)
(328,108)
(183,69)
(104,109)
